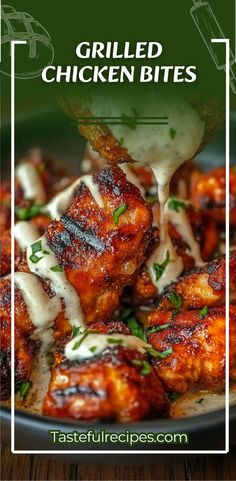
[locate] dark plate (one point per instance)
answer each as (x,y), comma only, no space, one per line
(57,135)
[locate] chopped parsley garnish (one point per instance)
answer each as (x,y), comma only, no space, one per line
(203,312)
(153,329)
(79,342)
(56,269)
(150,199)
(199,401)
(35,258)
(172,133)
(117,212)
(124,313)
(146,367)
(112,340)
(24,389)
(159,268)
(173,396)
(25,213)
(135,328)
(121,141)
(177,204)
(75,331)
(175,299)
(36,247)
(93,348)
(154,353)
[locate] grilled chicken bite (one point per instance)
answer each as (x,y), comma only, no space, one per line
(208,192)
(119,384)
(202,286)
(197,340)
(110,386)
(24,345)
(101,248)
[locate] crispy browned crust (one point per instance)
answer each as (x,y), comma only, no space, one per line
(198,358)
(24,346)
(99,257)
(208,192)
(203,286)
(104,142)
(108,386)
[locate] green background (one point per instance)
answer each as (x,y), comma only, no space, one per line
(168,22)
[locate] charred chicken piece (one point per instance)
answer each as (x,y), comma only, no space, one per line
(100,249)
(204,286)
(24,345)
(197,340)
(119,384)
(208,192)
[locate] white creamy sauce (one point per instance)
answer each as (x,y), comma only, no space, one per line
(25,233)
(181,222)
(41,308)
(172,270)
(200,402)
(91,344)
(59,281)
(61,201)
(164,148)
(31,182)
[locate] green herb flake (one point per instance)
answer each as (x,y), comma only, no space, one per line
(121,141)
(36,247)
(177,204)
(172,133)
(79,342)
(35,259)
(112,340)
(175,299)
(24,389)
(75,331)
(137,362)
(173,396)
(154,353)
(153,329)
(203,312)
(93,349)
(150,199)
(146,369)
(160,268)
(125,313)
(56,269)
(135,328)
(26,213)
(200,401)
(117,213)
